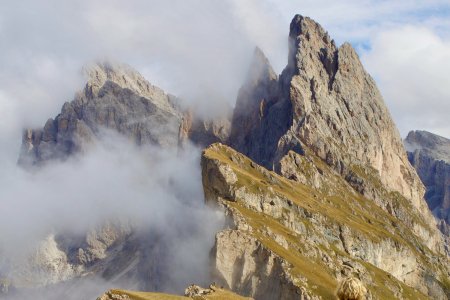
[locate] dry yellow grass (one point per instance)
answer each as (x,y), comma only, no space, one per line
(217,294)
(366,218)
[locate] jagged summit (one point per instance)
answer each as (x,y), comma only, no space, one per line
(308,37)
(332,106)
(119,98)
(115,97)
(126,78)
(325,102)
(260,68)
(254,99)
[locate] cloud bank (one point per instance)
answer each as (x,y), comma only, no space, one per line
(157,191)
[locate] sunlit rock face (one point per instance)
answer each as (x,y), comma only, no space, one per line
(290,238)
(325,102)
(324,99)
(430,155)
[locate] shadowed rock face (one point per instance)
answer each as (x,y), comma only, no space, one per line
(259,118)
(203,132)
(430,155)
(325,101)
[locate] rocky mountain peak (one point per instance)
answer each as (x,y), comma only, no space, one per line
(115,97)
(315,187)
(310,46)
(256,99)
(310,29)
(325,103)
(124,77)
(434,145)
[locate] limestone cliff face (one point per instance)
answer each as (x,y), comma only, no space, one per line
(288,239)
(326,101)
(116,98)
(430,155)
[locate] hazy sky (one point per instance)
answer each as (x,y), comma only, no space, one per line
(199,50)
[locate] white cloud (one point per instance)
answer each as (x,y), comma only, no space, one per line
(411,66)
(158,191)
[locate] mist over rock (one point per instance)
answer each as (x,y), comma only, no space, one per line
(430,155)
(119,99)
(258,120)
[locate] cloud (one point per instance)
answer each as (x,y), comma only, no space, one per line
(158,191)
(410,64)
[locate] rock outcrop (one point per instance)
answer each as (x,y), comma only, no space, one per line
(430,156)
(259,117)
(119,253)
(289,240)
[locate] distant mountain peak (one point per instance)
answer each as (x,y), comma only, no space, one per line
(430,155)
(434,145)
